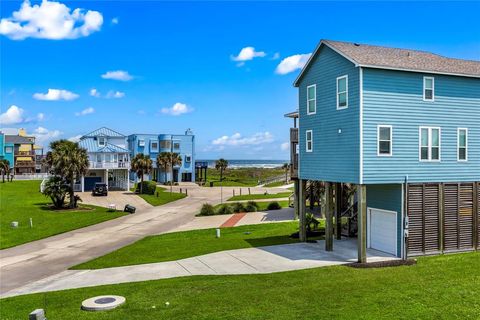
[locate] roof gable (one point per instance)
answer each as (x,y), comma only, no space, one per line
(91,145)
(104,131)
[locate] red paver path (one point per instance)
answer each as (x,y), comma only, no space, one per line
(233,220)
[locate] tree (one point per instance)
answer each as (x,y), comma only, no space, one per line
(142,165)
(286,167)
(174,159)
(221,164)
(56,188)
(5,169)
(162,162)
(68,161)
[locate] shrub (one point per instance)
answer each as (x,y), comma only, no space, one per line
(252,203)
(238,207)
(251,207)
(274,205)
(207,210)
(225,209)
(148,187)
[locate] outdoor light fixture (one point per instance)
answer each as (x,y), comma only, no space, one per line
(339,131)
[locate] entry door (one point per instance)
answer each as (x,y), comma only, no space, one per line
(382,230)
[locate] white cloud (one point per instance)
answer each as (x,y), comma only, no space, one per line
(247,53)
(276,56)
(13,115)
(43,136)
(292,63)
(285,146)
(85,112)
(94,93)
(50,20)
(238,140)
(119,75)
(115,20)
(115,94)
(177,109)
(55,95)
(75,138)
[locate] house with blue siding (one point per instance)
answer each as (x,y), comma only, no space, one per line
(6,150)
(154,144)
(401,126)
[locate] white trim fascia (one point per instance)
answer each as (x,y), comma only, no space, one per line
(378,140)
(361,125)
(308,100)
(418,71)
(306,140)
(466,145)
(433,89)
(346,87)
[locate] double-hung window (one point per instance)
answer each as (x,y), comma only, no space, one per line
(428,88)
(462,144)
(430,143)
(384,140)
(312,99)
(102,141)
(342,92)
(309,141)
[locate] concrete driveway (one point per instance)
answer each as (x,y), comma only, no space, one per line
(119,198)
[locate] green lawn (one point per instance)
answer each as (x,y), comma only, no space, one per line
(260,196)
(22,200)
(242,177)
(275,184)
(441,287)
(180,245)
(261,205)
(164,196)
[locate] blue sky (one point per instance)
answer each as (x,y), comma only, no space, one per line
(186,54)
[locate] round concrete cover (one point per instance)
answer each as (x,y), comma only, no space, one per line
(102,303)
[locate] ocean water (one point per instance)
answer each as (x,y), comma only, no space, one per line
(232,164)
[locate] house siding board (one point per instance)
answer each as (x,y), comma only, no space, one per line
(388,197)
(396,98)
(335,156)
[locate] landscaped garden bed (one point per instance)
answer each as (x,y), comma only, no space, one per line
(241,207)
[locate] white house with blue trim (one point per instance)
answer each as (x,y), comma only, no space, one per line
(109,159)
(404,127)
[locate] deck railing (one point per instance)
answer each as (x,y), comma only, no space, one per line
(109,165)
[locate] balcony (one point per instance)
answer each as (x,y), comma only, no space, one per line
(294,166)
(109,165)
(25,164)
(24,153)
(294,135)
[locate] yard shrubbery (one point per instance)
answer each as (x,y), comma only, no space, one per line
(207,210)
(148,187)
(238,207)
(274,205)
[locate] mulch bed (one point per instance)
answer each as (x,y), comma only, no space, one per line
(383,264)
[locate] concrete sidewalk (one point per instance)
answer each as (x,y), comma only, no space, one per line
(260,260)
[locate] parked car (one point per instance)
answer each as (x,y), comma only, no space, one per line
(100,189)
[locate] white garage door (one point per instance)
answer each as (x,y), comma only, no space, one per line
(382,230)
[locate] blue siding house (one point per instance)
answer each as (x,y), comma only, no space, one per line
(403,126)
(6,150)
(154,144)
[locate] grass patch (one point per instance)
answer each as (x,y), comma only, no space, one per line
(275,184)
(180,245)
(241,177)
(441,287)
(22,200)
(162,196)
(260,196)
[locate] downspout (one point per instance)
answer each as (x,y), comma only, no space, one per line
(405,217)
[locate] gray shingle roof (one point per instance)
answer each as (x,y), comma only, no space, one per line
(104,131)
(18,139)
(400,59)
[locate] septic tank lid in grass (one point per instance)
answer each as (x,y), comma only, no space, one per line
(100,303)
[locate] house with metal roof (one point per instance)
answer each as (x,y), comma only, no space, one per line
(399,127)
(109,160)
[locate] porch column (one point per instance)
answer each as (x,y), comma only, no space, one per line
(338,210)
(362,223)
(328,217)
(302,228)
(106,177)
(127,179)
(82,183)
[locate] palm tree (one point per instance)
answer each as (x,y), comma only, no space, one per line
(174,159)
(142,165)
(286,167)
(221,164)
(5,168)
(68,161)
(162,162)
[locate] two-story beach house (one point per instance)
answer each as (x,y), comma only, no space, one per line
(404,127)
(154,144)
(109,160)
(6,151)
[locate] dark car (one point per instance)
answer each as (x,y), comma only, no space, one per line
(100,189)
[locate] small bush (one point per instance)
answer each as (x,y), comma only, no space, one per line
(274,205)
(225,209)
(251,207)
(252,203)
(149,187)
(207,210)
(238,207)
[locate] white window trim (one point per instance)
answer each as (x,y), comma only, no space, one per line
(338,93)
(314,99)
(429,144)
(466,145)
(378,140)
(105,141)
(154,149)
(433,88)
(306,140)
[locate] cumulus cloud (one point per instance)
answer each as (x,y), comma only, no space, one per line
(285,146)
(292,63)
(177,109)
(115,20)
(84,112)
(43,136)
(50,20)
(238,140)
(115,94)
(119,75)
(13,115)
(94,93)
(55,95)
(246,54)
